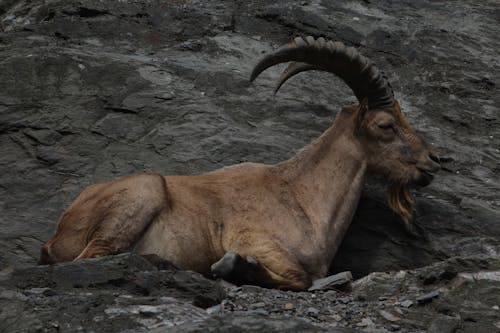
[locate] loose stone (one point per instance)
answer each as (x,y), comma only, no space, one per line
(427,298)
(388,316)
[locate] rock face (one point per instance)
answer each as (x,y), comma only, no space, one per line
(91,91)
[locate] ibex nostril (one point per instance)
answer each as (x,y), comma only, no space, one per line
(435,158)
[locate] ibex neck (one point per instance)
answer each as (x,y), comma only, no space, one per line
(327,178)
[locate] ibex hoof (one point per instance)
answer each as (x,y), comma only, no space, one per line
(226,265)
(232,266)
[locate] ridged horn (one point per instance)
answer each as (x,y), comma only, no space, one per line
(292,69)
(357,71)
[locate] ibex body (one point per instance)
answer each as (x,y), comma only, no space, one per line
(273,225)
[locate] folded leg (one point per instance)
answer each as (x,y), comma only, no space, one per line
(125,214)
(107,218)
(276,272)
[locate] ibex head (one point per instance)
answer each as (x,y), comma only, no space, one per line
(392,147)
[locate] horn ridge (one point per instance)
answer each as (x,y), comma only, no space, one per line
(357,71)
(293,68)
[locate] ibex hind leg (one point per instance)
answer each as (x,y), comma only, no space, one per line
(124,210)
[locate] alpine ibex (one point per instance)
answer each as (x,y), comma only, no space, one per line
(272,225)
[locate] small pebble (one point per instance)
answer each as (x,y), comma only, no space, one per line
(257,305)
(388,316)
(495,307)
(427,298)
(312,311)
(41,291)
(331,293)
(365,322)
(258,312)
(149,310)
(214,309)
(406,303)
(167,299)
(288,306)
(344,300)
(49,292)
(398,310)
(336,317)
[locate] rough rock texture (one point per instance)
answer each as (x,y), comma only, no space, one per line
(93,90)
(126,293)
(108,294)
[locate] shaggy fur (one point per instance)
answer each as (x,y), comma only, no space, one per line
(400,201)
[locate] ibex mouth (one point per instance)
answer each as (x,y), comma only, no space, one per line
(425,178)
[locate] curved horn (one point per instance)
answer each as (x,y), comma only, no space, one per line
(293,68)
(357,71)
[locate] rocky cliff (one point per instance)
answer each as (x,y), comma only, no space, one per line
(92,90)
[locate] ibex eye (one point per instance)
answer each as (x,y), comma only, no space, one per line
(385,126)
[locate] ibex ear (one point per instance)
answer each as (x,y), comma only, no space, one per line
(363,107)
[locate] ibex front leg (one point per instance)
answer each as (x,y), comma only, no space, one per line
(278,270)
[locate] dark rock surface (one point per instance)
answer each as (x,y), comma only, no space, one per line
(125,293)
(92,90)
(105,294)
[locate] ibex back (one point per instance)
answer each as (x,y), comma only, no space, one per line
(272,225)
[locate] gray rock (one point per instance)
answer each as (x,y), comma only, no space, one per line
(216,309)
(257,305)
(189,285)
(490,276)
(389,316)
(366,322)
(91,91)
(444,324)
(427,298)
(41,291)
(250,323)
(395,327)
(312,311)
(344,300)
(332,281)
(76,142)
(81,273)
(448,269)
(125,271)
(407,303)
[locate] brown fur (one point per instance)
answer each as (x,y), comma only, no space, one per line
(400,201)
(290,217)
